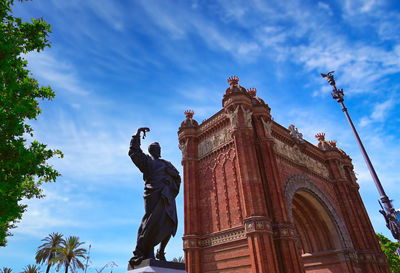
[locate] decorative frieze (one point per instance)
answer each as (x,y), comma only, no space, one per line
(296,155)
(223,238)
(216,140)
(258,225)
(212,121)
(284,230)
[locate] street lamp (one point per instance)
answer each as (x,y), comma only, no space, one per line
(388,211)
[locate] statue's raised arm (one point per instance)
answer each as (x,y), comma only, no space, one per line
(136,153)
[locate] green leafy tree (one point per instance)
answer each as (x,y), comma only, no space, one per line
(5,270)
(23,166)
(47,251)
(31,269)
(390,250)
(69,253)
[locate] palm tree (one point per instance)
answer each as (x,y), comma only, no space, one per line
(178,260)
(5,270)
(31,269)
(47,251)
(68,254)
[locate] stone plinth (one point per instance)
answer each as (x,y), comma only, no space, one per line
(151,265)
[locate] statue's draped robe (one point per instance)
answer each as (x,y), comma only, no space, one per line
(162,183)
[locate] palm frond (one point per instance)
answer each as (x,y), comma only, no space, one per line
(31,269)
(68,254)
(5,270)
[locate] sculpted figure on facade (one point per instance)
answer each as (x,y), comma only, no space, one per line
(233,116)
(295,134)
(183,147)
(247,116)
(267,127)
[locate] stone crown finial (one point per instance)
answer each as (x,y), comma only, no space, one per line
(252,92)
(189,113)
(232,80)
(320,136)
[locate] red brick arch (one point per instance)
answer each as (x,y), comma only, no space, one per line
(316,215)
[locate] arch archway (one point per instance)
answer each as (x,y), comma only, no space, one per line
(323,238)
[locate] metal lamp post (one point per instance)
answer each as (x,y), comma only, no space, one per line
(388,211)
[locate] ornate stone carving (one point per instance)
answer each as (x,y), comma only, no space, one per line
(213,142)
(223,238)
(183,147)
(267,127)
(295,134)
(294,154)
(211,122)
(233,116)
(247,116)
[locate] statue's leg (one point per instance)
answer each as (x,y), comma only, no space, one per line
(161,251)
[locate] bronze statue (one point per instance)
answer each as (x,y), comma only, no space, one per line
(162,183)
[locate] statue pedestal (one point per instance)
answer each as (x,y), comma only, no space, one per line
(156,266)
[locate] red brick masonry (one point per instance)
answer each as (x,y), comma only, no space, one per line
(259,198)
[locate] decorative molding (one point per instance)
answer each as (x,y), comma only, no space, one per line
(258,225)
(285,231)
(211,143)
(303,182)
(212,121)
(294,154)
(223,238)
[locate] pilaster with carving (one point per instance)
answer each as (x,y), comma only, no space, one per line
(188,145)
(284,239)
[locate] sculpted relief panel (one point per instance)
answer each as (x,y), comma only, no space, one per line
(294,154)
(211,143)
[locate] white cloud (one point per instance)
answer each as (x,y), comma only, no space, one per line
(381,109)
(325,7)
(59,74)
(109,11)
(379,113)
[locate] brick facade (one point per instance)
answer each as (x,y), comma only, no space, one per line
(259,198)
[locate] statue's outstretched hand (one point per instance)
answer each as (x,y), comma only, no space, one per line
(144,130)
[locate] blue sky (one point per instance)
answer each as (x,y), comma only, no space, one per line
(119,65)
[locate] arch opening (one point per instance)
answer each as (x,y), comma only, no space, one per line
(324,243)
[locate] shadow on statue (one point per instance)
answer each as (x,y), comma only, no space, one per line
(162,182)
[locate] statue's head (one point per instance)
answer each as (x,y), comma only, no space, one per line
(155,150)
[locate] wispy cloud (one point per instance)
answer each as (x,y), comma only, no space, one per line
(379,113)
(59,74)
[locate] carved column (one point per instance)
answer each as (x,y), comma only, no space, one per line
(284,237)
(258,228)
(188,144)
